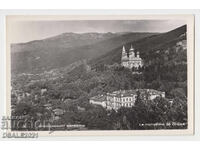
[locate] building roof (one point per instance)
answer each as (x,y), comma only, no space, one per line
(129,93)
(123,48)
(125,59)
(123,93)
(58,111)
(131,49)
(99,98)
(135,59)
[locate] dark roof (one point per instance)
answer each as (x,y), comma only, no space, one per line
(128,93)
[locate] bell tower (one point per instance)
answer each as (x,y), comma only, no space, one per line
(131,53)
(138,54)
(124,54)
(124,59)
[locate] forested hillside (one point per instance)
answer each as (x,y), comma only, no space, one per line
(165,69)
(164,55)
(65,49)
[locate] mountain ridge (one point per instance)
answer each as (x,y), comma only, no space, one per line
(56,54)
(145,46)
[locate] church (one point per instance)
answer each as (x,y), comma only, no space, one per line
(131,58)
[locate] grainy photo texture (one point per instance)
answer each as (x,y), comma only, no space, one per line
(74,75)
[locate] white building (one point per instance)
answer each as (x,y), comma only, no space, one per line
(131,58)
(98,100)
(127,98)
(118,99)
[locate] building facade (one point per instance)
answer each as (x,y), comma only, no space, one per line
(124,98)
(131,58)
(127,98)
(118,99)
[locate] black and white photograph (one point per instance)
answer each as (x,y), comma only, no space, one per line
(78,74)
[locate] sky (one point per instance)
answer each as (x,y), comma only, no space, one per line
(24,31)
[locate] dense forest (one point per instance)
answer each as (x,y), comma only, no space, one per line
(79,85)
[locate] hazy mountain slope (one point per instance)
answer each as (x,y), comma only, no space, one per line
(65,49)
(150,47)
(60,42)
